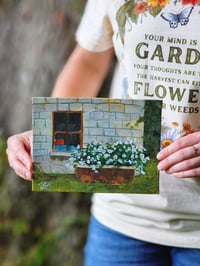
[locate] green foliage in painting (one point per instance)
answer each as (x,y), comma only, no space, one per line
(152,110)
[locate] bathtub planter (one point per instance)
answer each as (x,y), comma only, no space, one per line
(106,174)
(114,163)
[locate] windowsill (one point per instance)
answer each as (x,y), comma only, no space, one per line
(60,154)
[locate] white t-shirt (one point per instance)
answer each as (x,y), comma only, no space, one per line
(157,44)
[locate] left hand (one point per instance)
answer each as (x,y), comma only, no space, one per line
(181,158)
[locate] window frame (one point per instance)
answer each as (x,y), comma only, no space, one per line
(67,132)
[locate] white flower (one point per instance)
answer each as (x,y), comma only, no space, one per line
(106,155)
(169,137)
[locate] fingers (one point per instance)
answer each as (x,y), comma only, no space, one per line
(189,173)
(188,166)
(182,158)
(19,154)
(179,144)
(21,170)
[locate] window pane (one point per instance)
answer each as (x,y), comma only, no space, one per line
(73,121)
(73,140)
(66,142)
(60,122)
(67,121)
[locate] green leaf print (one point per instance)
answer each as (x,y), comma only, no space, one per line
(121,17)
(155,11)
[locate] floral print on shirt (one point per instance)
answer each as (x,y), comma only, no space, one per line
(169,135)
(133,11)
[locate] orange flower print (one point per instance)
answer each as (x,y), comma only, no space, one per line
(187,128)
(190,2)
(175,124)
(140,8)
(155,3)
(166,142)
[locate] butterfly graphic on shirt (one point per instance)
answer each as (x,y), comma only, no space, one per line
(175,19)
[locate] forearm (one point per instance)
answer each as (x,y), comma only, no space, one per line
(83,74)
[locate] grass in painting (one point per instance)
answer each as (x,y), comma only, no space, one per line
(144,184)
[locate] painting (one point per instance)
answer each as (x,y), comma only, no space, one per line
(96,145)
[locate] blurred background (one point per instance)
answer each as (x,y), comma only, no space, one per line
(36,229)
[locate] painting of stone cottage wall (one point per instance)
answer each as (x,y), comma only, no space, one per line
(64,128)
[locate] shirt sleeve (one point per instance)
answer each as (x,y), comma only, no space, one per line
(95,30)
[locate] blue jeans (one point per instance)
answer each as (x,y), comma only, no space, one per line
(106,247)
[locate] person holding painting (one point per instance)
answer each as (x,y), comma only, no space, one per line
(157,44)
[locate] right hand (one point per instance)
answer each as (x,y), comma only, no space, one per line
(19,151)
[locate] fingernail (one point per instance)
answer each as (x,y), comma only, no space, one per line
(159,156)
(160,168)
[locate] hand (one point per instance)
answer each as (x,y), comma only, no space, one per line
(19,149)
(182,158)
